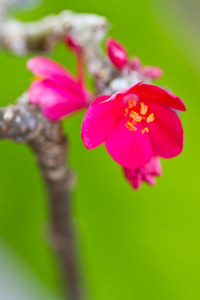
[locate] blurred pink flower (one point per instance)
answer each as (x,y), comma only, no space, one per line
(55,90)
(135,124)
(147,172)
(145,72)
(151,73)
(117,53)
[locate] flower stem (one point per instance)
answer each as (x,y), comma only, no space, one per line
(80,68)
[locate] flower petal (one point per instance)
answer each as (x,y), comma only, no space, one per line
(150,179)
(131,149)
(99,121)
(125,94)
(56,101)
(151,73)
(48,69)
(155,94)
(153,167)
(165,131)
(134,177)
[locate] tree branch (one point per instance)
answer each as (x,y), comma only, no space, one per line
(42,35)
(25,124)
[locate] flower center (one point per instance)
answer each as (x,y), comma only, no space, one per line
(138,114)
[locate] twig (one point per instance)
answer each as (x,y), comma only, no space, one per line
(25,124)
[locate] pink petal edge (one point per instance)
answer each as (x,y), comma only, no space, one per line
(100,119)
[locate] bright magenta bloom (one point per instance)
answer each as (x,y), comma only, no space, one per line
(135,124)
(117,53)
(147,172)
(55,90)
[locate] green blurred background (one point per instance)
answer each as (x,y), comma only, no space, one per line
(142,245)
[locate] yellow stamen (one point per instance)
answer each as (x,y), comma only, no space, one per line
(130,126)
(150,118)
(146,129)
(126,112)
(143,109)
(131,103)
(135,116)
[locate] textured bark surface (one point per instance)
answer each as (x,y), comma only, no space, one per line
(25,124)
(42,35)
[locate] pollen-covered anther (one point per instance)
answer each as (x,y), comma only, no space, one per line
(126,112)
(131,103)
(150,118)
(135,116)
(146,129)
(143,109)
(130,126)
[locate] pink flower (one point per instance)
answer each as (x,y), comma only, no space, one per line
(147,172)
(151,73)
(135,124)
(117,53)
(145,72)
(55,90)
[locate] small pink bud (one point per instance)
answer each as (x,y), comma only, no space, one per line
(135,63)
(152,72)
(117,53)
(72,43)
